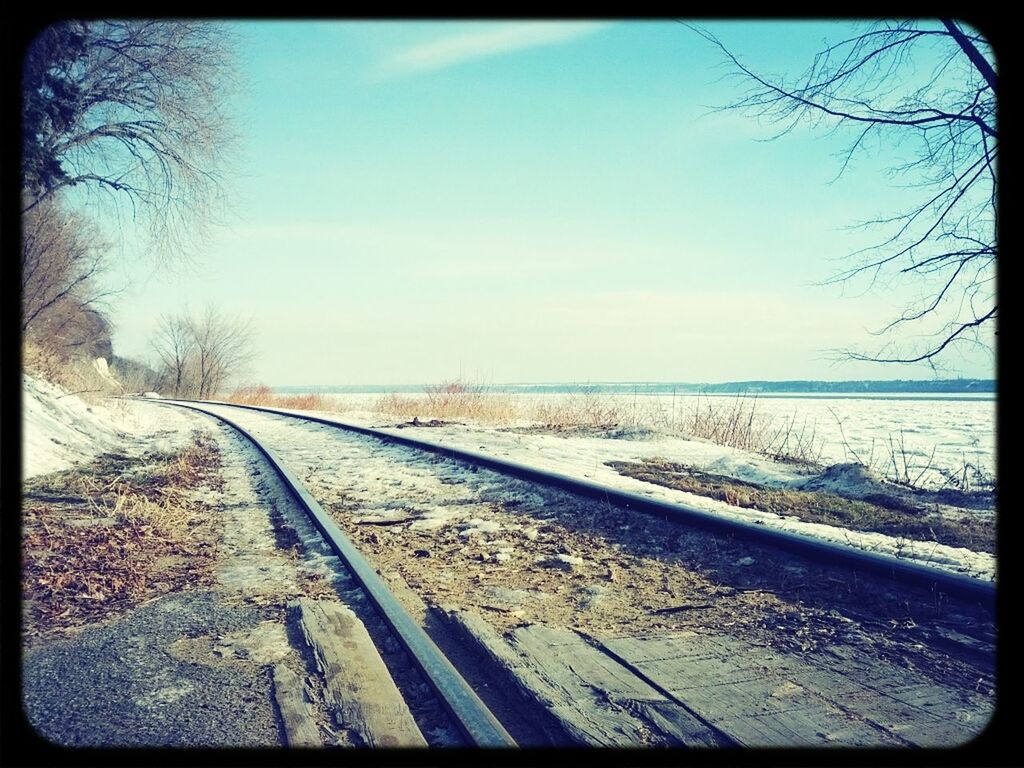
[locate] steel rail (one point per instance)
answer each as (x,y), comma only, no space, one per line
(473,717)
(890,566)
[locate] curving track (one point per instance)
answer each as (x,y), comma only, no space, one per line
(900,571)
(365,478)
(475,721)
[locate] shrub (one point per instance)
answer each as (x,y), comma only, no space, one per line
(261,394)
(452,400)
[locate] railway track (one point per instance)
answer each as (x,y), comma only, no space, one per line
(474,720)
(516,655)
(898,569)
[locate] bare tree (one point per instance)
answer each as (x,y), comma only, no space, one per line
(930,87)
(223,346)
(62,259)
(134,108)
(174,346)
(201,355)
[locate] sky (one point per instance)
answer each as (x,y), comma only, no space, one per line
(529,202)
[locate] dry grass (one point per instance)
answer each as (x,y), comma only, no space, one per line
(115,533)
(899,464)
(586,407)
(889,516)
(452,401)
(77,376)
(737,423)
(459,400)
(263,395)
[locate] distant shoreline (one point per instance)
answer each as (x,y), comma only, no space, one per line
(975,388)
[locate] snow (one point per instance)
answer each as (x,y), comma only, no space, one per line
(933,433)
(580,456)
(585,457)
(477,527)
(60,429)
(100,364)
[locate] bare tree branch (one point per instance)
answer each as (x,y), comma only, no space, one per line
(62,257)
(931,88)
(137,108)
(973,53)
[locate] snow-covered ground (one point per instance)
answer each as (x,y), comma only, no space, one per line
(585,457)
(867,429)
(60,430)
(932,433)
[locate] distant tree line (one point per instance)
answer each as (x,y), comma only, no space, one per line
(854,386)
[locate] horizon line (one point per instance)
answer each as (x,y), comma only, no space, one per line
(576,382)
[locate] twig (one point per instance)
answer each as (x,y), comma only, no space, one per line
(684,607)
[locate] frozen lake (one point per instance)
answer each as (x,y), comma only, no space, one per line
(957,429)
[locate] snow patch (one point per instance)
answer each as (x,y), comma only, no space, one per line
(101,367)
(852,480)
(59,429)
(476,527)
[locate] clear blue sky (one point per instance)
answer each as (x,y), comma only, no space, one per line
(530,202)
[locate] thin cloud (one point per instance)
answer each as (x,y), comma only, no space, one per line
(480,43)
